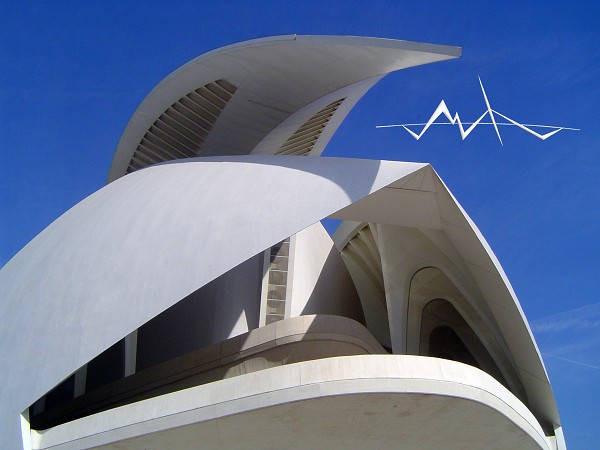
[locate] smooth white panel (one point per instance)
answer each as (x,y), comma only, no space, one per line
(142,243)
(321,282)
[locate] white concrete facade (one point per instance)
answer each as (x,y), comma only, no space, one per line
(198,295)
(413,401)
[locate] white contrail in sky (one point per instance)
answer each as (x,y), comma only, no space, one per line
(572,362)
(443,109)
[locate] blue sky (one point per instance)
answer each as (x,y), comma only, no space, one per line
(72,73)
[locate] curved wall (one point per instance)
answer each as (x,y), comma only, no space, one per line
(444,333)
(321,283)
(224,308)
(370,402)
(419,224)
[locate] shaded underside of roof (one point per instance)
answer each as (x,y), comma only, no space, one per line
(227,101)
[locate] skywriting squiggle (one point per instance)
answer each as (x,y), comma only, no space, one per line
(443,109)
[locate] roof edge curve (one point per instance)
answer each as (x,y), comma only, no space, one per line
(266,81)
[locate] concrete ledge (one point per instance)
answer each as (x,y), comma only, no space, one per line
(288,341)
(373,401)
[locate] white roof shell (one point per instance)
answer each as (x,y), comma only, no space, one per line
(281,78)
(136,247)
(140,244)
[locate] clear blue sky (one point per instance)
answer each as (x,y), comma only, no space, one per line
(72,73)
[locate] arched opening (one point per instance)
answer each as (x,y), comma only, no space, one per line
(446,334)
(445,343)
(435,301)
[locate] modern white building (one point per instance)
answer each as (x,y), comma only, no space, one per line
(196,301)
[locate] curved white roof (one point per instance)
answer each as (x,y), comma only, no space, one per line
(138,246)
(250,88)
(423,201)
(142,243)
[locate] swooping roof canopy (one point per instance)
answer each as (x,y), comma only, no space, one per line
(138,246)
(229,101)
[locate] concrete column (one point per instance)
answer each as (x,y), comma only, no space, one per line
(290,277)
(80,380)
(130,353)
(396,287)
(262,317)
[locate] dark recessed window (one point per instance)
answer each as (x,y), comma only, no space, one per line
(445,343)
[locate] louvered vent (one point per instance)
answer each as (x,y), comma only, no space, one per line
(278,278)
(180,131)
(304,138)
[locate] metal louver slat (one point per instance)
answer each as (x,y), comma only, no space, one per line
(164,153)
(135,165)
(185,139)
(302,141)
(210,97)
(316,126)
(301,138)
(230,88)
(197,108)
(219,91)
(167,138)
(315,122)
(307,143)
(177,112)
(158,155)
(146,158)
(204,104)
(182,128)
